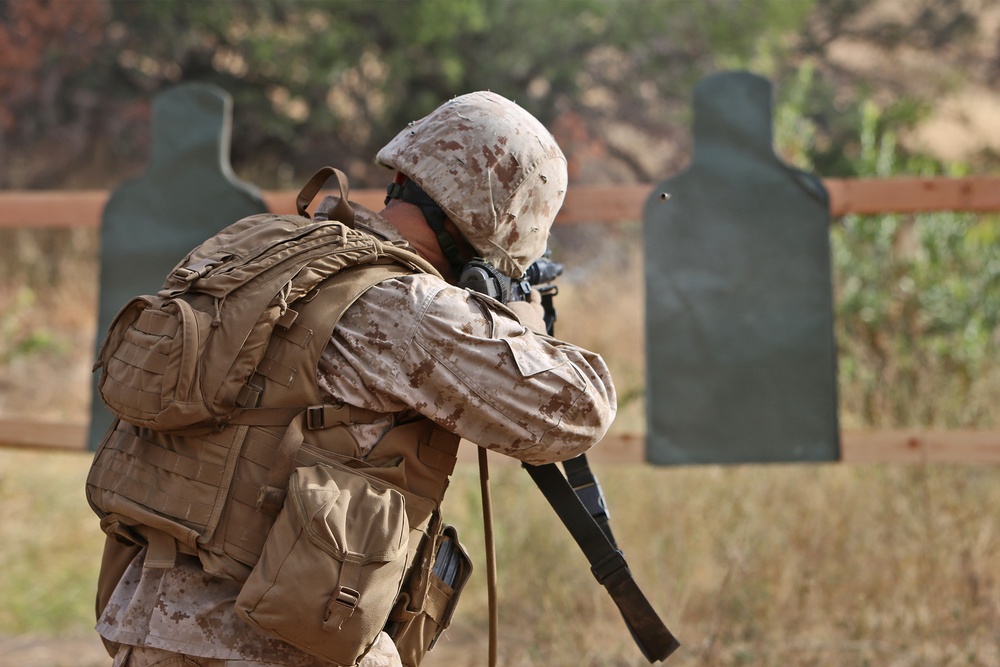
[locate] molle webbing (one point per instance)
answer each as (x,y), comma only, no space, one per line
(216,494)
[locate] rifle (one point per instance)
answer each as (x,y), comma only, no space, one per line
(577,497)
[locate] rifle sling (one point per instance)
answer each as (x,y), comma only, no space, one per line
(589,491)
(607,563)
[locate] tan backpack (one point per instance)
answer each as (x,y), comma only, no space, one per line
(181,360)
(224,450)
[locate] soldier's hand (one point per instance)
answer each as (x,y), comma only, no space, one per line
(530,312)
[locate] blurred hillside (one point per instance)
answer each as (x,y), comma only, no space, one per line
(332,81)
(870,88)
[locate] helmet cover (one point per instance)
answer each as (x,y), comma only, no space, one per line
(493,168)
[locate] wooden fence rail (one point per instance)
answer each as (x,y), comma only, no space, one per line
(876,446)
(584,203)
(602,204)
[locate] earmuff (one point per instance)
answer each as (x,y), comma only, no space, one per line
(480,276)
(476,273)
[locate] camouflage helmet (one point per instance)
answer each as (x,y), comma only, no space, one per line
(493,168)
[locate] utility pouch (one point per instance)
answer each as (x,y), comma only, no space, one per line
(426,605)
(332,565)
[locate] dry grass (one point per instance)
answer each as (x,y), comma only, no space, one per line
(784,565)
(48,313)
(753,565)
(821,565)
(51,543)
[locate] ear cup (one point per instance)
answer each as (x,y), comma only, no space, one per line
(479,276)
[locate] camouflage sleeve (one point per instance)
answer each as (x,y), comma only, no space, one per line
(465,361)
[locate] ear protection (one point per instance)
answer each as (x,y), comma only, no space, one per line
(480,276)
(476,274)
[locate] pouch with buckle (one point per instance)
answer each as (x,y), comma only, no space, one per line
(333,564)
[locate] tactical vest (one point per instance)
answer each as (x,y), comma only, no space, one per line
(215,495)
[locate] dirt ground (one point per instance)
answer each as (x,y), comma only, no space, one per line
(88,651)
(29,651)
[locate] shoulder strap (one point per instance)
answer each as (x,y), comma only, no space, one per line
(607,562)
(334,298)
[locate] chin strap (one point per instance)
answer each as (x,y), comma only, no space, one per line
(404,189)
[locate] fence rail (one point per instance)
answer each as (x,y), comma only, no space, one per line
(584,203)
(602,204)
(881,446)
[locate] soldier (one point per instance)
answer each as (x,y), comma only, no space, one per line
(477,178)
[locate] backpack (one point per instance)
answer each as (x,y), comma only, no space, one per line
(223,449)
(180,361)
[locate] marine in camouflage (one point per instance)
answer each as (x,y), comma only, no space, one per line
(417,345)
(409,344)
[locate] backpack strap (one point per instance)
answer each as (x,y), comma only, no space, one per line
(607,563)
(271,495)
(348,289)
(342,212)
(317,416)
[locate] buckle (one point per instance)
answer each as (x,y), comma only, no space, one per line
(185,274)
(314,417)
(592,497)
(347,597)
(609,566)
(195,271)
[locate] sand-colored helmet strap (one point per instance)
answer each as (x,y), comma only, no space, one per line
(404,189)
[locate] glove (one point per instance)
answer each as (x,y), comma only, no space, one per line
(530,313)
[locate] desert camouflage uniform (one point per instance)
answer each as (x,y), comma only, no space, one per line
(413,344)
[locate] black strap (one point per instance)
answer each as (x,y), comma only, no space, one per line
(589,491)
(435,216)
(606,561)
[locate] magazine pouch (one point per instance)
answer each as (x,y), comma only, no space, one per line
(426,606)
(332,565)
